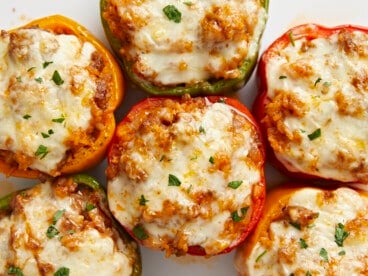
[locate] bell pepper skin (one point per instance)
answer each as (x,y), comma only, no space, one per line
(258,197)
(206,87)
(84,181)
(90,155)
(308,32)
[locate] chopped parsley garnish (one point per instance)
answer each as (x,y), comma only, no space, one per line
(315,134)
(140,233)
(19,79)
(58,214)
(201,129)
(295,225)
(308,274)
(340,234)
(212,160)
(31,68)
(235,184)
(142,200)
(27,116)
(282,77)
(303,244)
(291,37)
(90,206)
(42,151)
(59,120)
(235,216)
(317,81)
(57,78)
(172,13)
(326,84)
(12,270)
(188,3)
(62,271)
(173,180)
(260,256)
(342,253)
(39,80)
(52,232)
(324,255)
(46,63)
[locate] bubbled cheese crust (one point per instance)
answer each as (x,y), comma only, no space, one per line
(43,116)
(315,232)
(211,41)
(83,239)
(205,146)
(317,108)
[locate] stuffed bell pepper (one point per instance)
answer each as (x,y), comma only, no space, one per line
(313,104)
(308,231)
(189,47)
(61,227)
(185,175)
(59,89)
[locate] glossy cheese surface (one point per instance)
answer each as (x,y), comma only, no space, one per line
(46,94)
(186,174)
(317,108)
(210,40)
(317,233)
(55,226)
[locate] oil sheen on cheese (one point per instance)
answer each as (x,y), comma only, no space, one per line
(212,39)
(313,248)
(38,110)
(84,246)
(320,86)
(205,148)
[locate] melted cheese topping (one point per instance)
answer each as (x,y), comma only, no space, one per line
(204,146)
(320,86)
(40,112)
(83,241)
(315,247)
(212,40)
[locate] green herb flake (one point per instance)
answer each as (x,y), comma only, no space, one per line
(42,151)
(46,63)
(315,134)
(142,200)
(140,233)
(62,271)
(90,206)
(13,270)
(324,255)
(291,37)
(303,244)
(45,135)
(260,256)
(39,80)
(172,13)
(52,232)
(59,120)
(340,234)
(235,184)
(57,78)
(27,116)
(295,225)
(317,81)
(202,130)
(342,253)
(235,216)
(19,79)
(58,214)
(50,132)
(282,77)
(326,84)
(308,274)
(31,68)
(211,160)
(188,3)
(173,180)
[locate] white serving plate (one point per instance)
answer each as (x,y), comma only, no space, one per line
(283,14)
